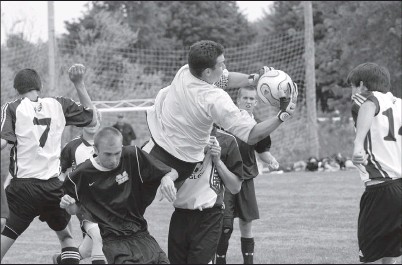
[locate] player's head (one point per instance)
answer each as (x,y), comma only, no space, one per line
(206,60)
(370,76)
(108,144)
(26,80)
(247,98)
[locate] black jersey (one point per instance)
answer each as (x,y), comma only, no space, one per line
(117,198)
(250,168)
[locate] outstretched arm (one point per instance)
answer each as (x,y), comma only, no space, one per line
(268,158)
(76,74)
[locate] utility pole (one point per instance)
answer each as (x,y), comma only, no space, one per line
(313,141)
(52,40)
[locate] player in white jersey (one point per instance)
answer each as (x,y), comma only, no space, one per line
(33,126)
(73,154)
(184,111)
(377,154)
(196,223)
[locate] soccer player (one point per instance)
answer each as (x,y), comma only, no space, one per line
(115,187)
(73,154)
(184,112)
(196,223)
(377,154)
(244,204)
(33,126)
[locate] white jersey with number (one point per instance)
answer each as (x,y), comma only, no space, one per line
(34,128)
(383,141)
(183,114)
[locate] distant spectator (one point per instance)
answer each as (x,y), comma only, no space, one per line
(340,160)
(312,164)
(299,166)
(329,165)
(125,129)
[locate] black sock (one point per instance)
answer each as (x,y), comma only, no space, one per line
(223,246)
(70,255)
(247,249)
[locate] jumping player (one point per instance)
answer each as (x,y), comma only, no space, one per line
(33,126)
(244,204)
(377,154)
(184,112)
(196,223)
(115,187)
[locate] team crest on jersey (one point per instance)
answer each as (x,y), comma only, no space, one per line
(38,108)
(198,171)
(215,182)
(121,178)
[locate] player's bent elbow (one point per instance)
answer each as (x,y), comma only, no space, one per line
(235,188)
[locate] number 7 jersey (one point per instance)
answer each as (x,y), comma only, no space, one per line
(383,141)
(34,129)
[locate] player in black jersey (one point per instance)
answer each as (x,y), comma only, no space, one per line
(115,187)
(244,204)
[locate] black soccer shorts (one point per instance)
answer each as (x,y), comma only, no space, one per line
(380,221)
(29,198)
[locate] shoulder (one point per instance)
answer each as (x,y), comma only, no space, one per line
(11,105)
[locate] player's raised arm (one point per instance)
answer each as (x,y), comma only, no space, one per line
(76,74)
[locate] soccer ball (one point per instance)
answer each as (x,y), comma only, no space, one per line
(269,85)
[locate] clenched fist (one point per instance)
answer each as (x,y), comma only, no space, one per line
(76,73)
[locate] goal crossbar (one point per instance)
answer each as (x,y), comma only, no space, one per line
(124,105)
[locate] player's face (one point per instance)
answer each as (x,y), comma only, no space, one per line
(109,153)
(247,100)
(92,130)
(216,73)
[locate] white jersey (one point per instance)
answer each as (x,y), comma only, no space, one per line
(183,114)
(35,128)
(383,141)
(204,188)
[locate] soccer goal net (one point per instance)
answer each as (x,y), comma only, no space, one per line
(128,79)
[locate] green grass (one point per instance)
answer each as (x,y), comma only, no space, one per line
(304,218)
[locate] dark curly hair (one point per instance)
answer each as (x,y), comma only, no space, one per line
(203,55)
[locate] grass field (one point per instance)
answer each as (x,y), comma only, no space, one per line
(304,218)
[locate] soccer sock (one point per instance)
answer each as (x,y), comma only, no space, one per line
(247,248)
(70,255)
(98,259)
(222,249)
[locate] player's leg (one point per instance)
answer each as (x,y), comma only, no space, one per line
(227,228)
(22,212)
(57,219)
(85,248)
(93,232)
(177,238)
(204,233)
(248,211)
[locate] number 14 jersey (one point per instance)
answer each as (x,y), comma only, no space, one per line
(35,128)
(383,141)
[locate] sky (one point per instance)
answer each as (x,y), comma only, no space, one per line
(31,16)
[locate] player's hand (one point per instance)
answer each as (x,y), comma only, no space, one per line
(167,188)
(215,149)
(76,73)
(66,201)
(287,101)
(254,77)
(273,163)
(359,156)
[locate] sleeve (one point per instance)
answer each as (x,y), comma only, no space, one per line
(373,99)
(228,116)
(66,157)
(233,160)
(75,113)
(5,212)
(149,168)
(263,145)
(71,184)
(8,123)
